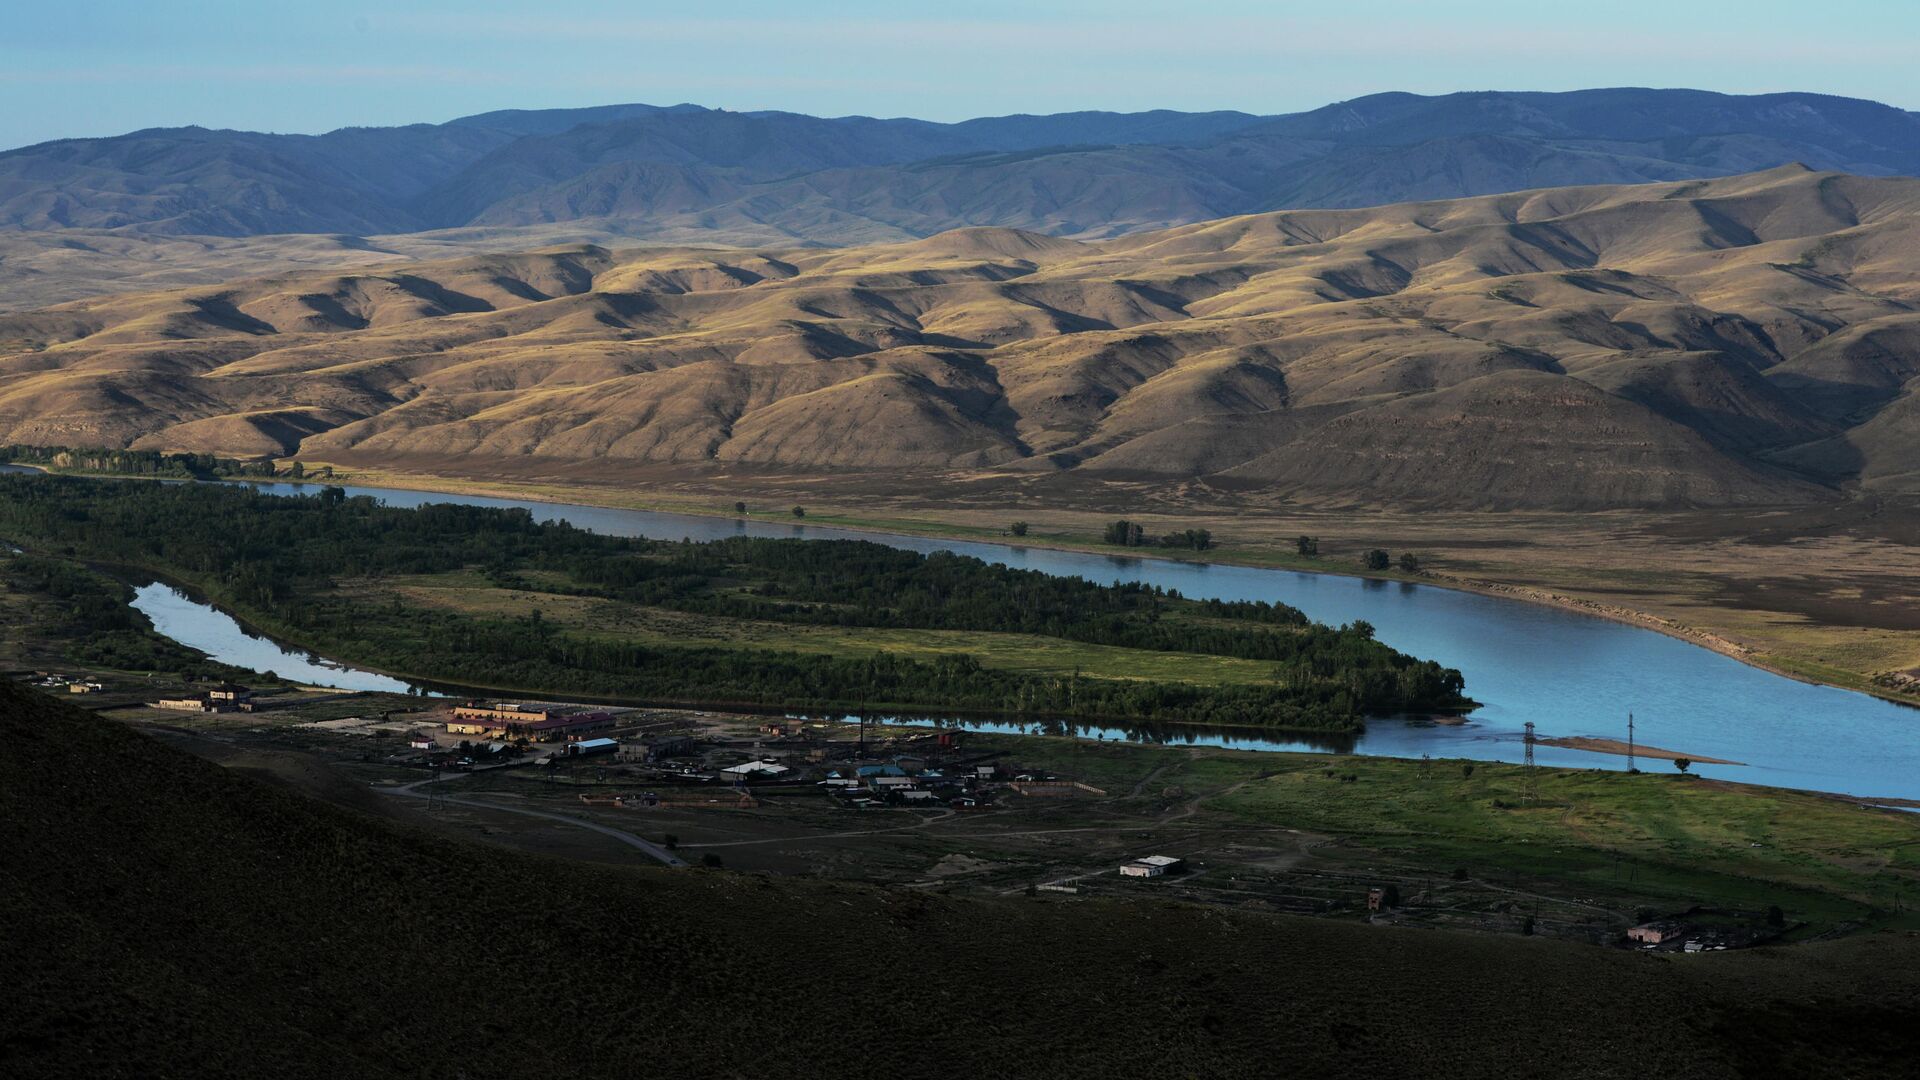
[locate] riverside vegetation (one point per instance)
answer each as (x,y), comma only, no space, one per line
(342,575)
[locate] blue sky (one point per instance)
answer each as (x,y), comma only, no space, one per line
(97,68)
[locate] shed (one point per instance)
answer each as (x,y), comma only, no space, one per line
(756,768)
(1657,932)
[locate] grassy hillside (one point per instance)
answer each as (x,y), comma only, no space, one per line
(168,918)
(1735,342)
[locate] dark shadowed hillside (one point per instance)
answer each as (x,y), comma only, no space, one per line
(166,917)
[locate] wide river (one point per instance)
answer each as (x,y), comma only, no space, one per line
(1569,674)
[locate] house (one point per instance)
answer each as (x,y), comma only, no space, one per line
(84,688)
(545,722)
(189,703)
(1658,932)
(1152,866)
(229,694)
(421,742)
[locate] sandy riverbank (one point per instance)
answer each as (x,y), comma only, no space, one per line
(1619,747)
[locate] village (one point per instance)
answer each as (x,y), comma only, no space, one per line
(916,807)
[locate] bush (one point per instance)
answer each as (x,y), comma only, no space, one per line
(1018,528)
(1376,559)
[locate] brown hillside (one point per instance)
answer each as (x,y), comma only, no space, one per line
(1740,341)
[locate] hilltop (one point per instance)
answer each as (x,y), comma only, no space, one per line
(167,916)
(1744,341)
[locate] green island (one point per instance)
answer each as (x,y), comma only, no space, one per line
(491,598)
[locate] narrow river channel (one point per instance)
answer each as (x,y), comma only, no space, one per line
(1570,674)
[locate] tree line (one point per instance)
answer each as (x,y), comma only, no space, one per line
(279,560)
(1133,534)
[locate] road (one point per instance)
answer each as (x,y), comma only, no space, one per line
(412,791)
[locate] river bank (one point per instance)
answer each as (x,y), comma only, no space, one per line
(1080,536)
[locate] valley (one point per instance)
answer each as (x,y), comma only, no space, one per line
(1427,583)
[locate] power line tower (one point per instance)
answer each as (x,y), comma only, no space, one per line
(434,801)
(1527,795)
(1630,766)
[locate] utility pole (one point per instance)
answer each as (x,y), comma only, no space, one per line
(1630,767)
(1528,796)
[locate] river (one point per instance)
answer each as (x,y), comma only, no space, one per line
(1570,674)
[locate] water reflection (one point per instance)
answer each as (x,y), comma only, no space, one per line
(214,632)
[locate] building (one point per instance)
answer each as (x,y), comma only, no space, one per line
(203,703)
(761,770)
(189,703)
(508,712)
(589,747)
(1152,866)
(229,694)
(1658,932)
(540,721)
(565,727)
(663,747)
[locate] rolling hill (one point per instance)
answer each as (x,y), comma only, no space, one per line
(167,916)
(1741,341)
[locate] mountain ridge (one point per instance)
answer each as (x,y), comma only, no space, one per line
(1163,167)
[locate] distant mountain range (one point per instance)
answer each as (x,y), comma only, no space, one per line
(686,173)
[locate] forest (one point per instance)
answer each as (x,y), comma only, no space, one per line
(278,561)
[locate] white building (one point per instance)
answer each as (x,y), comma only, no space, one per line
(746,769)
(1151,866)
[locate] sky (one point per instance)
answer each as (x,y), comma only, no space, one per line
(83,68)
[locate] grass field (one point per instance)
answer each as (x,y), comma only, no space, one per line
(471,594)
(1657,840)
